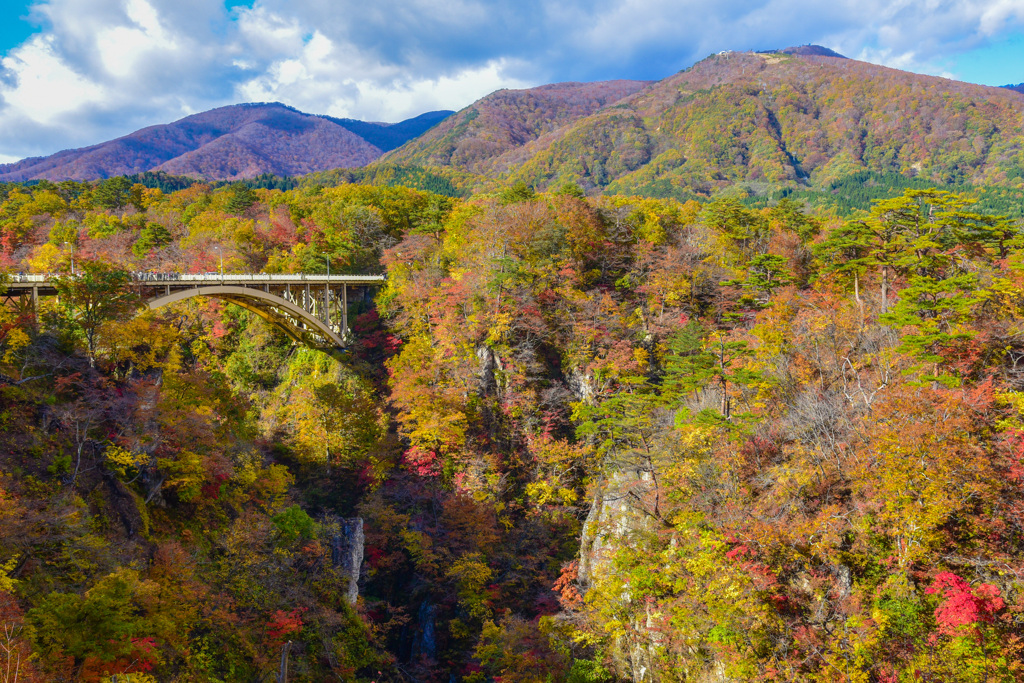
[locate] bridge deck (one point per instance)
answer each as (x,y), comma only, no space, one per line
(312,309)
(23,280)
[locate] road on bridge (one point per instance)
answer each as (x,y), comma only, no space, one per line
(311,308)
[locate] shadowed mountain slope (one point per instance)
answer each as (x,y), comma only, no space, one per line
(388,136)
(229,143)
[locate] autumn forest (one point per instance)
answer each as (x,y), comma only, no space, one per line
(583,433)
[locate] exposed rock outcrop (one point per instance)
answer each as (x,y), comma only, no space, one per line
(611,519)
(347,554)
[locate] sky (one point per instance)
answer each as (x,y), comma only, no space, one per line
(79,72)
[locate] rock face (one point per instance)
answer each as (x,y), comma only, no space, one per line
(611,519)
(347,554)
(487,382)
(425,642)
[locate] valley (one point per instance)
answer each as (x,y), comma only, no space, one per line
(713,378)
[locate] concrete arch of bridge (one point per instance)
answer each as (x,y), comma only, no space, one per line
(298,324)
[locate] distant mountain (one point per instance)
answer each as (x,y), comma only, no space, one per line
(486,137)
(795,117)
(1019,87)
(802,116)
(230,143)
(388,136)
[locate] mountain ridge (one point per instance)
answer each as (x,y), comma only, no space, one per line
(797,116)
(229,143)
(791,117)
(388,136)
(811,51)
(477,137)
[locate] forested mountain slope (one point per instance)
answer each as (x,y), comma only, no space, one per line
(590,439)
(485,137)
(238,141)
(388,136)
(789,119)
(771,119)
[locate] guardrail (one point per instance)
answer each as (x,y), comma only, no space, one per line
(168,278)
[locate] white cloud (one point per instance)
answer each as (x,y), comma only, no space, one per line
(267,34)
(122,48)
(45,87)
(400,100)
(103,68)
(335,79)
(1000,13)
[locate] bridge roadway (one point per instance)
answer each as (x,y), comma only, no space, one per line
(311,309)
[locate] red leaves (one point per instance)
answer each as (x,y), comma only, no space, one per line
(1015,461)
(211,491)
(761,573)
(143,652)
(9,241)
(372,556)
(963,356)
(284,623)
(422,462)
(565,586)
(282,231)
(740,552)
(964,606)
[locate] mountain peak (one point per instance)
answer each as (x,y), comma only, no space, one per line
(490,134)
(794,117)
(811,51)
(230,143)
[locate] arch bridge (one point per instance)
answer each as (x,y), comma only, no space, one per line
(311,309)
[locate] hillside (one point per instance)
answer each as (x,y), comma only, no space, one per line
(229,143)
(781,119)
(574,440)
(484,137)
(766,119)
(388,136)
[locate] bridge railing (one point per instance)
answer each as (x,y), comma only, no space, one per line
(29,278)
(252,277)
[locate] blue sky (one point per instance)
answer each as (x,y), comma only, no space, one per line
(999,62)
(77,72)
(16,26)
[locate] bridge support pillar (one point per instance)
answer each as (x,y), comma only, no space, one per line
(344,310)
